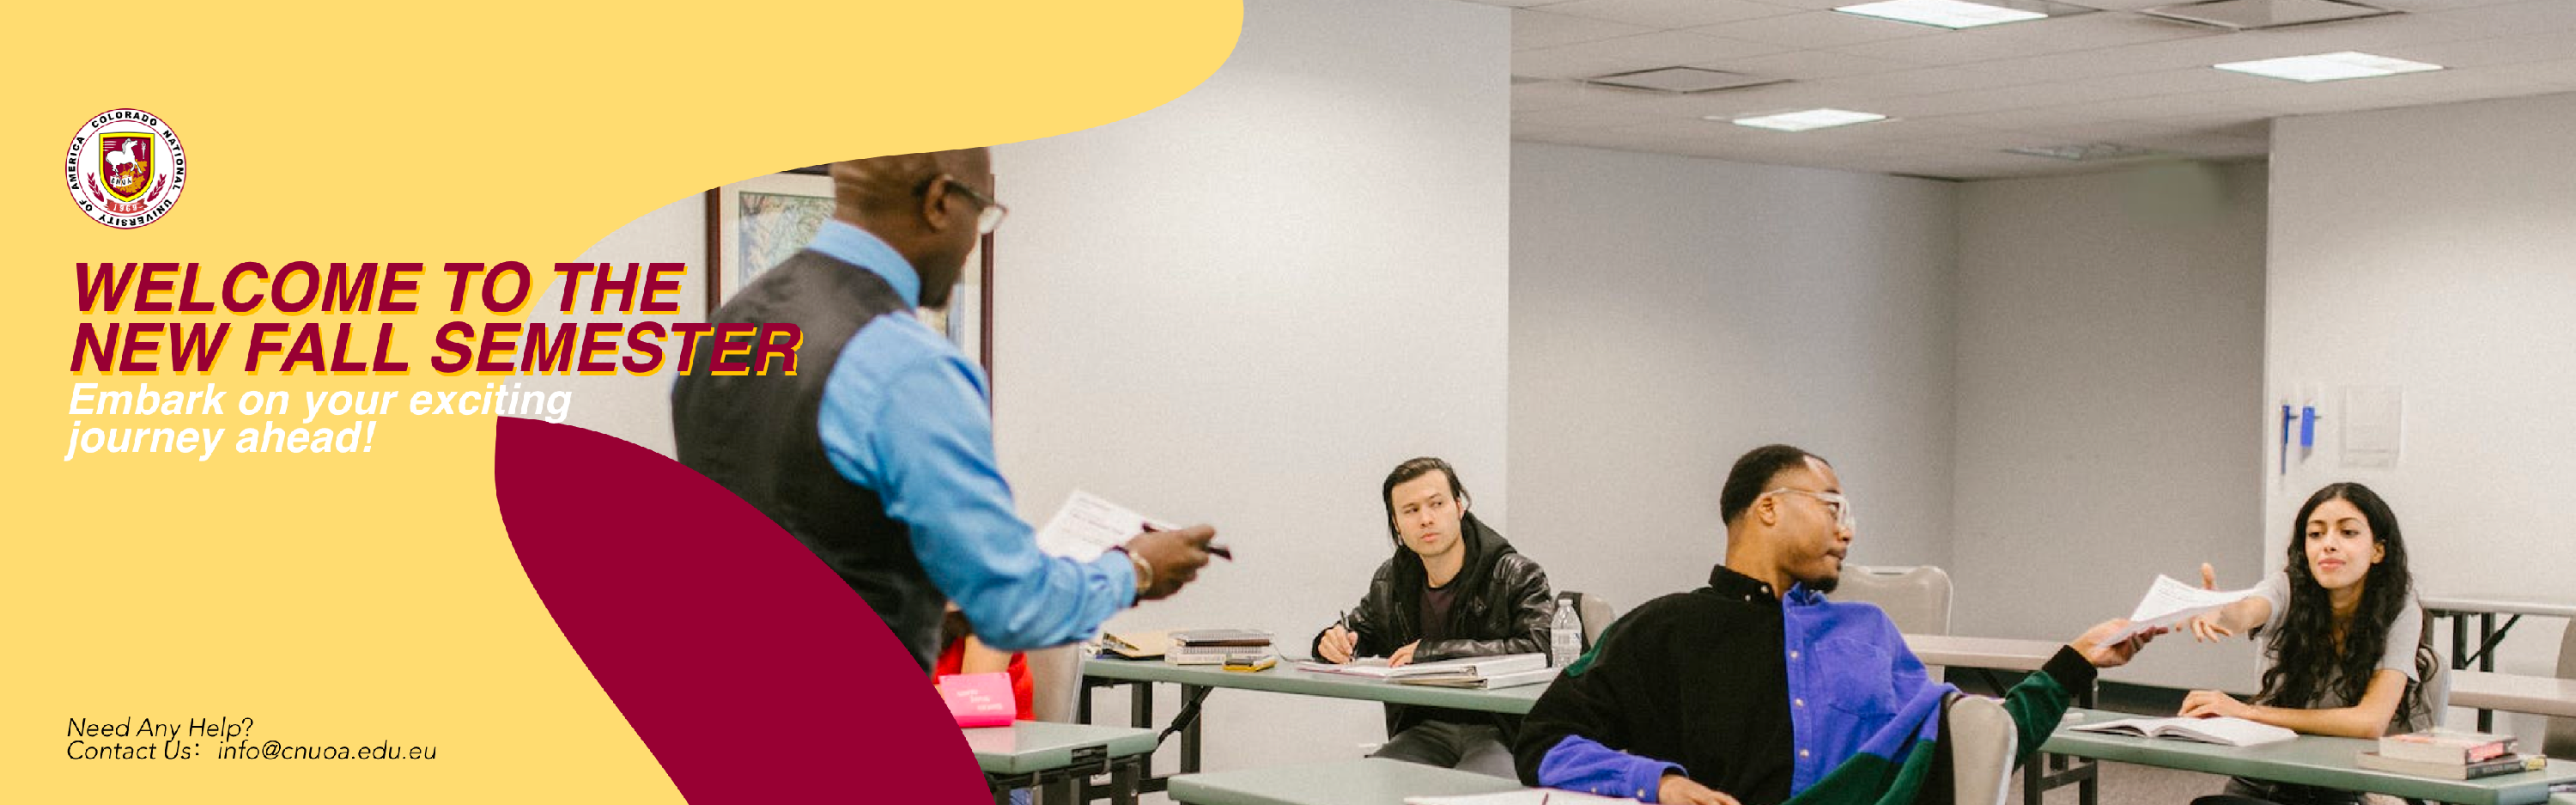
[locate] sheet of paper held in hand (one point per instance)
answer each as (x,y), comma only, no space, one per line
(1088,526)
(2170,603)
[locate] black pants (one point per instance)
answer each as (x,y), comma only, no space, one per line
(2241,791)
(1466,747)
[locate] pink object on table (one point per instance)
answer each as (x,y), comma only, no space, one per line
(979,700)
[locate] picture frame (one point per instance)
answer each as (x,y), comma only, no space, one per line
(754,224)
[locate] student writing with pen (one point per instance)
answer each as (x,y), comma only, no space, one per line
(1453,588)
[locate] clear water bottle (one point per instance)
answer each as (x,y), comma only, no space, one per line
(1565,635)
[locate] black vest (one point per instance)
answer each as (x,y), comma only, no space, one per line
(757,435)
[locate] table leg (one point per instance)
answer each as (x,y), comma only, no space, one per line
(1196,695)
(2089,792)
(2486,662)
(1140,705)
(1122,780)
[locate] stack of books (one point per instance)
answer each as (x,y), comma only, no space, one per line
(2450,755)
(1216,646)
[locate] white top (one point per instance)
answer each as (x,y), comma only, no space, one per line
(2403,635)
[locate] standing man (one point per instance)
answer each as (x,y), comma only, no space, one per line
(1453,589)
(878,453)
(1756,689)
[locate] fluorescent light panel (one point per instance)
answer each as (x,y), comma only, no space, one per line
(2327,67)
(1807,120)
(1952,14)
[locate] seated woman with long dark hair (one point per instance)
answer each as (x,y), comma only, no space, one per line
(2344,632)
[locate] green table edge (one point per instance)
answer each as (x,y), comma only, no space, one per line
(2262,762)
(1119,741)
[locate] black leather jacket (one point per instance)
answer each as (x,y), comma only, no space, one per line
(1503,607)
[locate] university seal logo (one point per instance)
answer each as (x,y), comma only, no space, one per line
(125,168)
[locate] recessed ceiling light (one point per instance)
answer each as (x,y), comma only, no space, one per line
(1803,121)
(2327,67)
(1952,14)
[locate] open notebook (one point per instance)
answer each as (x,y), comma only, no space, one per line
(2221,731)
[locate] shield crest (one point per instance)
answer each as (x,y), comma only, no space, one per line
(125,164)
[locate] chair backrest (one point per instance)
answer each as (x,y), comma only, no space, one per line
(2561,739)
(1596,614)
(1982,742)
(1055,675)
(1916,598)
(2437,682)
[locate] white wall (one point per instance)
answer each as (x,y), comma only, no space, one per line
(2109,347)
(1670,313)
(2430,248)
(1246,306)
(637,409)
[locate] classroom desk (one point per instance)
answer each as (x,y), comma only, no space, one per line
(2006,654)
(1982,652)
(1365,781)
(2562,799)
(1198,681)
(1059,757)
(2460,610)
(2514,693)
(2308,760)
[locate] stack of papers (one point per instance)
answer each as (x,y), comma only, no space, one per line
(2170,603)
(1461,672)
(1089,526)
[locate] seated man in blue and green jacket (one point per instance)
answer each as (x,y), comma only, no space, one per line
(1756,690)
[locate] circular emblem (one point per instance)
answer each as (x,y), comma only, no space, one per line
(125,168)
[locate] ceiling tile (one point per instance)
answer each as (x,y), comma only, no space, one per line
(1818,29)
(1640,52)
(2488,51)
(1539,29)
(1553,95)
(2507,19)
(1590,117)
(1669,14)
(1809,65)
(1926,81)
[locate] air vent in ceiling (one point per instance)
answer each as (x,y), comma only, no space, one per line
(2257,15)
(1680,80)
(2086,152)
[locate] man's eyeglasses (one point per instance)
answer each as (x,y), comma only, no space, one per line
(1841,506)
(989,213)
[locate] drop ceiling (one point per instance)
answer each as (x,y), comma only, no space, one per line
(2067,94)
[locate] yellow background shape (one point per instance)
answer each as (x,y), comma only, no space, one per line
(352,599)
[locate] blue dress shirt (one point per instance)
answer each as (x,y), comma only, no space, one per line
(907,416)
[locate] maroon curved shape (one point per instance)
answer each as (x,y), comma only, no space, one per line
(749,669)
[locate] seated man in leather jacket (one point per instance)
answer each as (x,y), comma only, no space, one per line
(1453,589)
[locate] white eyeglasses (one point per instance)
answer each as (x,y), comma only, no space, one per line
(1841,506)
